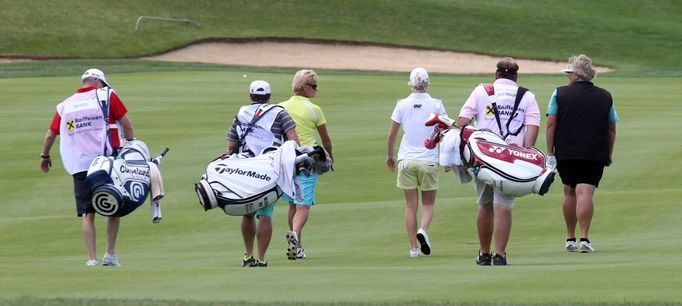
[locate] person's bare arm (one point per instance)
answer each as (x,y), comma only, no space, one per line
(127,126)
(46,163)
(531,135)
(549,133)
(612,141)
(292,135)
(230,147)
(326,141)
(392,133)
(462,122)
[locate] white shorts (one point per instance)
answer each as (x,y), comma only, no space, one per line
(488,194)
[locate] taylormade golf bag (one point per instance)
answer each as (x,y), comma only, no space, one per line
(120,184)
(514,170)
(242,185)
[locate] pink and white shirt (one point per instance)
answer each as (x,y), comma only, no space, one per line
(478,107)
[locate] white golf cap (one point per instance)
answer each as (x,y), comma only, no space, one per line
(95,73)
(419,77)
(259,87)
(568,69)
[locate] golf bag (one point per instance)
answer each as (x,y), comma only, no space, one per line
(241,185)
(121,184)
(516,171)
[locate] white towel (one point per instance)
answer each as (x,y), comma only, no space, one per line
(285,166)
(156,191)
(449,149)
(451,157)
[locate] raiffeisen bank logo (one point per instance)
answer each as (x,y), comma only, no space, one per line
(224,169)
(83,123)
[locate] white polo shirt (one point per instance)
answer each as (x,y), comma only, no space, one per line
(411,113)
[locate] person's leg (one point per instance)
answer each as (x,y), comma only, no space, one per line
(264,234)
(569,207)
(290,215)
(484,225)
(484,216)
(584,207)
(85,210)
(428,207)
(502,227)
(113,224)
(308,185)
(89,235)
(411,204)
(248,227)
(300,219)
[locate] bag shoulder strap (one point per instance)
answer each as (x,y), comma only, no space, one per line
(105,106)
(519,95)
(259,113)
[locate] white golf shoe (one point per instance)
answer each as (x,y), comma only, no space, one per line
(110,260)
(585,247)
(425,243)
(300,253)
(571,246)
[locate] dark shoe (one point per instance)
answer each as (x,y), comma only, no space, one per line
(499,260)
(249,262)
(483,259)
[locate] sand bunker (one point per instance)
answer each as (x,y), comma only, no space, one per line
(345,56)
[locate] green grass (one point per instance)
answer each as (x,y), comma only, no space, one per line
(355,237)
(635,37)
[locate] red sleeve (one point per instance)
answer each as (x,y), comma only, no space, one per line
(116,108)
(54,125)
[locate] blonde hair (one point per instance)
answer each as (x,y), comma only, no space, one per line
(302,78)
(582,67)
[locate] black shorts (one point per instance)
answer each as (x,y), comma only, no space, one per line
(576,171)
(82,193)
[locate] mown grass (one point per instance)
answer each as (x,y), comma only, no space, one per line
(355,238)
(635,37)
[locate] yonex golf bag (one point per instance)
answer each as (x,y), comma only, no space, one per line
(120,184)
(514,170)
(241,185)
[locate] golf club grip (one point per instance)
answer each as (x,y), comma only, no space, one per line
(318,151)
(159,158)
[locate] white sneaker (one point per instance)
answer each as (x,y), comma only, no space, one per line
(91,262)
(110,260)
(585,247)
(300,253)
(415,253)
(423,239)
(571,246)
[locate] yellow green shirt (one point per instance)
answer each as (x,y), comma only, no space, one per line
(307,116)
